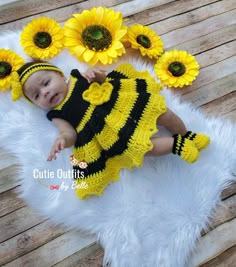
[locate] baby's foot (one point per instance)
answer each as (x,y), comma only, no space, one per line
(185,148)
(200,140)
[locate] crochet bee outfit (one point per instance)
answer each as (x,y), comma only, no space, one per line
(114,122)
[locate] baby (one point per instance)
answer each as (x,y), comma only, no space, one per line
(109,119)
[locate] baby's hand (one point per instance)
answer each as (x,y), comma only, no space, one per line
(57,147)
(92,74)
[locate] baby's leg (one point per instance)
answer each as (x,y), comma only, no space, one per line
(172,122)
(175,125)
(161,146)
(177,145)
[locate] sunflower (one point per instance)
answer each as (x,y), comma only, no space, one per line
(9,62)
(146,40)
(42,38)
(95,35)
(176,68)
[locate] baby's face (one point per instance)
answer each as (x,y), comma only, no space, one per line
(46,89)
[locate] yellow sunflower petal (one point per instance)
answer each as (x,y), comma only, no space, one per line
(73,24)
(120,34)
(87,55)
(79,50)
(112,53)
(103,58)
(94,60)
(71,34)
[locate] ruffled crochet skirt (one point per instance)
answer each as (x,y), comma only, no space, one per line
(118,134)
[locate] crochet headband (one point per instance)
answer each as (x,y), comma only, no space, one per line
(18,81)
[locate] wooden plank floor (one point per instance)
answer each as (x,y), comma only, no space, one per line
(207,29)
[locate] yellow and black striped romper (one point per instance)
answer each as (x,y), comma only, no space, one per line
(114,122)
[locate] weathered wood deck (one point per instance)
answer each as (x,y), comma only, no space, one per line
(207,29)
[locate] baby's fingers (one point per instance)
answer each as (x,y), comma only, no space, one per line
(91,74)
(51,156)
(54,150)
(90,77)
(61,145)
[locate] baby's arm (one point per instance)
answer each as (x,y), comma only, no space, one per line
(94,75)
(66,138)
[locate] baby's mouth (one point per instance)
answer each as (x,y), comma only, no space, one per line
(53,98)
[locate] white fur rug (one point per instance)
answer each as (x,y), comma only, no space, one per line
(152,216)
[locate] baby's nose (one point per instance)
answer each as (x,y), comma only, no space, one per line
(45,93)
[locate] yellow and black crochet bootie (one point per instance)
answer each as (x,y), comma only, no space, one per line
(200,140)
(185,148)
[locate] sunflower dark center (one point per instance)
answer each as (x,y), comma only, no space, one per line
(177,68)
(96,37)
(42,39)
(144,41)
(5,69)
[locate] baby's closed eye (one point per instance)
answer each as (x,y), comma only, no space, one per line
(47,83)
